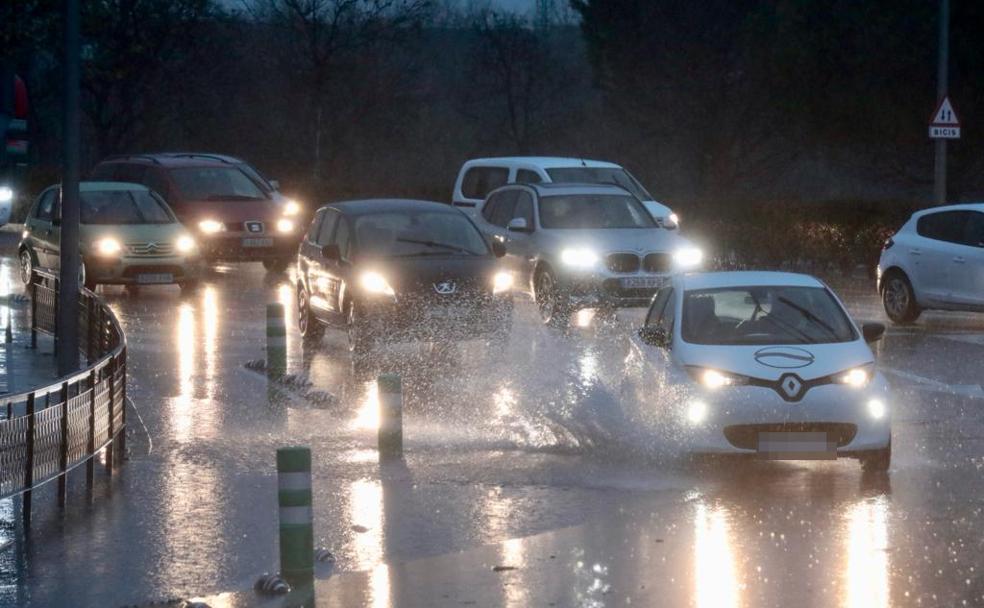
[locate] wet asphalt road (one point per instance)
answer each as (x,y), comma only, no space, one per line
(517,457)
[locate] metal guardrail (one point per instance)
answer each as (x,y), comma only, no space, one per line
(70,422)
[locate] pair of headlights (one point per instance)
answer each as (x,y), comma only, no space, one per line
(284,226)
(110,246)
(375,283)
(685,258)
(857,377)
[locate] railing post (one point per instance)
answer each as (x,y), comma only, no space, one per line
(54,323)
(112,403)
(89,333)
(122,365)
(29,460)
(34,310)
(90,464)
(63,448)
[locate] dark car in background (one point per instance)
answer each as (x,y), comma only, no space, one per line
(236,213)
(400,270)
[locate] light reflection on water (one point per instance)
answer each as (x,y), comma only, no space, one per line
(867,557)
(715,572)
(366,510)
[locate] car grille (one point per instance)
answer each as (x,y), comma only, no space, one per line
(658,262)
(622,262)
(154,249)
(745,436)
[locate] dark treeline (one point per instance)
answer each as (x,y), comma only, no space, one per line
(718,100)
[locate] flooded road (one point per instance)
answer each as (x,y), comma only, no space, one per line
(520,456)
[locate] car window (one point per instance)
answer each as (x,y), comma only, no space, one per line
(488,210)
(770,314)
(311,235)
(656,309)
(600,175)
(215,184)
(974,232)
(157,181)
(947,226)
(327,227)
(503,212)
(525,176)
(479,181)
(524,208)
(342,237)
(46,205)
(593,211)
(116,207)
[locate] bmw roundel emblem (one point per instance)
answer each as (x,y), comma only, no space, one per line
(445,287)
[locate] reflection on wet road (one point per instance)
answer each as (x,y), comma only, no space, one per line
(521,457)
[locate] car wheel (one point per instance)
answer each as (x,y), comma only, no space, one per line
(26,266)
(310,328)
(551,302)
(899,300)
(276,265)
(877,461)
(359,342)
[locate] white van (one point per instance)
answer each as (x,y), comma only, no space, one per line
(480,176)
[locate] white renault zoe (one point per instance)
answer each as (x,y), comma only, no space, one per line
(765,363)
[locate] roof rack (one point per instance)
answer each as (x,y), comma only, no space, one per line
(222,159)
(144,156)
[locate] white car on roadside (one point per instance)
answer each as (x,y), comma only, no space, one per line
(762,363)
(480,176)
(935,261)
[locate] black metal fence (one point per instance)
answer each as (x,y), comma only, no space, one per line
(70,422)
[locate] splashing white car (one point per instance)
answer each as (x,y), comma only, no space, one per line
(762,363)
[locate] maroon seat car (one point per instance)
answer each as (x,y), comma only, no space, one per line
(237,214)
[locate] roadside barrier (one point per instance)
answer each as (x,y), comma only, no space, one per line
(390,432)
(69,422)
(276,332)
(296,525)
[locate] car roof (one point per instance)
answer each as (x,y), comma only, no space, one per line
(746,278)
(175,159)
(954,207)
(107,186)
(544,162)
(566,189)
(385,205)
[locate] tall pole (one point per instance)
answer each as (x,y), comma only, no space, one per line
(942,82)
(68,293)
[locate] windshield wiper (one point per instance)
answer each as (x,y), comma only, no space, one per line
(808,315)
(438,245)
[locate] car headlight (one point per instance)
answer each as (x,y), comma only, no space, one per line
(285,225)
(857,377)
(292,207)
(107,246)
(502,282)
(211,226)
(6,194)
(373,282)
(688,257)
(184,244)
(579,258)
(715,379)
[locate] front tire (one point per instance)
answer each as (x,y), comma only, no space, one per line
(311,329)
(877,461)
(899,300)
(26,266)
(551,301)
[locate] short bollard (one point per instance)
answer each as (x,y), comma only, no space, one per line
(276,332)
(294,498)
(390,433)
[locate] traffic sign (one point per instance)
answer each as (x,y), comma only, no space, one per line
(944,124)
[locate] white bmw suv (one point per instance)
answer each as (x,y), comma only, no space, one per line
(935,261)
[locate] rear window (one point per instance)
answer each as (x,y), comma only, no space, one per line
(215,184)
(479,181)
(114,207)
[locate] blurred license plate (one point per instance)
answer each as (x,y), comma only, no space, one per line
(796,446)
(158,277)
(257,242)
(642,282)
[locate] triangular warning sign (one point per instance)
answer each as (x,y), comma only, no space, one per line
(944,114)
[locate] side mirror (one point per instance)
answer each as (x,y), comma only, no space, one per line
(517,224)
(655,336)
(331,253)
(275,184)
(498,248)
(872,332)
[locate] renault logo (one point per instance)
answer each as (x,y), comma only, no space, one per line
(445,287)
(791,386)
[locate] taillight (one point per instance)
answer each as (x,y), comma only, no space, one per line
(887,244)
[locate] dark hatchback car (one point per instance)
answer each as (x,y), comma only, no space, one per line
(235,214)
(400,270)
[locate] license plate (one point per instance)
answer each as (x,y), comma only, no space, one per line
(642,282)
(257,242)
(796,446)
(153,278)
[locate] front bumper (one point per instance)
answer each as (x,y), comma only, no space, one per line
(247,247)
(734,417)
(137,270)
(389,320)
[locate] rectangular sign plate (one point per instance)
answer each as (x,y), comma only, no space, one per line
(641,282)
(944,132)
(796,446)
(155,278)
(257,242)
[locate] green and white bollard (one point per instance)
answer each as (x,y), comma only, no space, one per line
(294,499)
(390,432)
(276,333)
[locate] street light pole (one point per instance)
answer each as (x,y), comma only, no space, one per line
(942,78)
(68,293)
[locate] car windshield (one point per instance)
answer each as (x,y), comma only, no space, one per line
(764,315)
(600,175)
(123,207)
(255,175)
(426,233)
(602,211)
(216,184)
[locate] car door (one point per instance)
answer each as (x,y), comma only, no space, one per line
(520,252)
(932,254)
(318,273)
(497,212)
(39,228)
(657,359)
(967,271)
(309,253)
(337,270)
